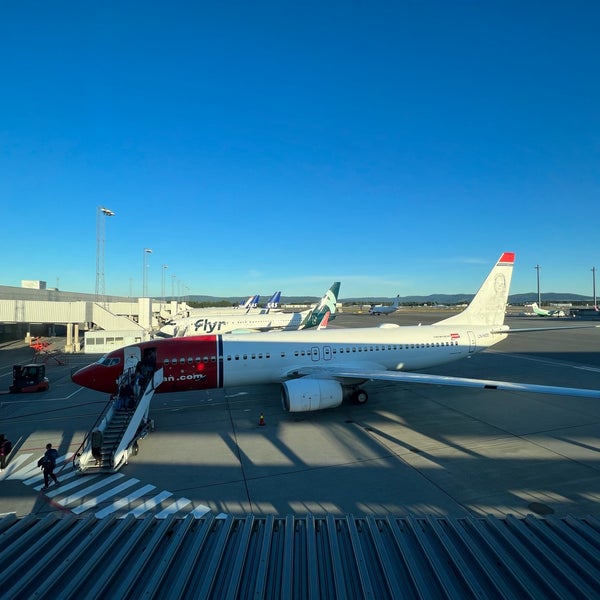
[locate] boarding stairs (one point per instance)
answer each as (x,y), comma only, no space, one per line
(115,435)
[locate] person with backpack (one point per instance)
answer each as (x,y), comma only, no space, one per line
(5,449)
(47,463)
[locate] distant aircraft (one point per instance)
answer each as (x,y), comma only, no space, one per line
(317,369)
(253,322)
(248,307)
(546,313)
(385,310)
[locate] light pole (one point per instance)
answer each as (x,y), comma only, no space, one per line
(537,268)
(101,214)
(164,268)
(594,285)
(145,273)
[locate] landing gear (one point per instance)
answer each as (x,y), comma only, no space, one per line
(359,396)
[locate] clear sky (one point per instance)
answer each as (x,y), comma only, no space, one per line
(397,146)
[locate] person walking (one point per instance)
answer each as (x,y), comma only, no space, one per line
(48,463)
(5,449)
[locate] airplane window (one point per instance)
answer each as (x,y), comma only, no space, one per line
(198,359)
(182,361)
(260,356)
(296,353)
(283,355)
(205,359)
(245,356)
(267,355)
(190,361)
(109,362)
(213,359)
(166,361)
(229,358)
(253,356)
(237,357)
(303,353)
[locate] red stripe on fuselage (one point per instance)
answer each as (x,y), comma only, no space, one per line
(189,363)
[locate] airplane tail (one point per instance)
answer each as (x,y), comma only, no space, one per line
(488,307)
(396,302)
(247,303)
(252,302)
(274,301)
(319,316)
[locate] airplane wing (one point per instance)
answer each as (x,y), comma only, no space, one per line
(534,329)
(362,375)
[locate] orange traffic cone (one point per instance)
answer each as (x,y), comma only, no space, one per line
(261,421)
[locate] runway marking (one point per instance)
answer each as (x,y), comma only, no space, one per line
(124,501)
(74,488)
(93,502)
(90,488)
(173,508)
(148,505)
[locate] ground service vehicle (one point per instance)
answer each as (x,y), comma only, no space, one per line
(29,378)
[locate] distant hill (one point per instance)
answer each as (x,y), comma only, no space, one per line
(449,299)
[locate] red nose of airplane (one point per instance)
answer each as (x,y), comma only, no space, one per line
(96,377)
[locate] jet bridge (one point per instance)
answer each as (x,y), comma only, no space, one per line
(123,422)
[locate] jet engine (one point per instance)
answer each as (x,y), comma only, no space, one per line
(304,394)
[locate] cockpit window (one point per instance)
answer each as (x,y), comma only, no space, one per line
(109,361)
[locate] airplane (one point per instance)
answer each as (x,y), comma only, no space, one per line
(249,307)
(219,324)
(385,310)
(542,312)
(318,369)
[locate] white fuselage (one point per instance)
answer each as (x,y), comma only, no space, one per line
(219,324)
(249,359)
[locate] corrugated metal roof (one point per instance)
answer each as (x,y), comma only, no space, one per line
(63,556)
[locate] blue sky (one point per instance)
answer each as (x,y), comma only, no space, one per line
(396,146)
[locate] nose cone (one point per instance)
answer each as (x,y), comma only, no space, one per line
(95,377)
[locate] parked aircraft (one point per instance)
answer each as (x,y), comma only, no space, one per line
(244,323)
(385,310)
(249,307)
(317,369)
(542,312)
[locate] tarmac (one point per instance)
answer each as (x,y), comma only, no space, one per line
(411,450)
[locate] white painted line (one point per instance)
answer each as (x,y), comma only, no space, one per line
(148,505)
(33,468)
(64,477)
(93,502)
(199,511)
(173,508)
(81,493)
(65,487)
(124,501)
(12,470)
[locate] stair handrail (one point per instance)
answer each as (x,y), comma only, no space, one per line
(101,416)
(141,413)
(77,454)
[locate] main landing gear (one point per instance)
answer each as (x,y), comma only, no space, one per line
(359,396)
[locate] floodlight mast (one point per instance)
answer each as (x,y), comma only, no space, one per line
(145,273)
(101,213)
